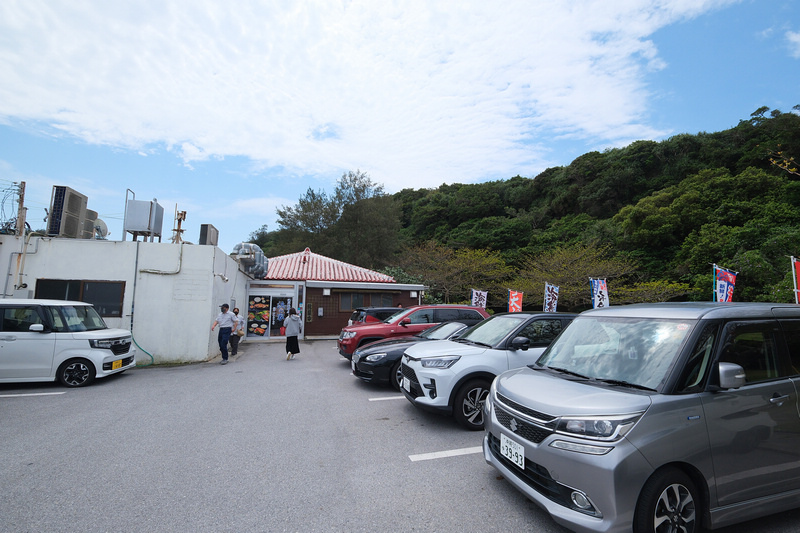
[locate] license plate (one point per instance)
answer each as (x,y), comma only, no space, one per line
(513,451)
(116,364)
(407,384)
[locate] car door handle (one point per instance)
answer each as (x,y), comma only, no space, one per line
(779,399)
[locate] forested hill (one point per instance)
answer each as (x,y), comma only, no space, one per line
(661,212)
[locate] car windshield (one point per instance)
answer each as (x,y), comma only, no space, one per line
(392,319)
(494,329)
(76,318)
(442,331)
(637,351)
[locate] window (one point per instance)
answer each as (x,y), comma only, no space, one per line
(542,332)
(350,300)
(423,316)
(752,346)
(105,296)
(446,315)
(696,368)
(381,300)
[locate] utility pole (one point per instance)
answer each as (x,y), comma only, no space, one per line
(21,211)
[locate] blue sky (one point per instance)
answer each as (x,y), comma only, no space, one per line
(230,110)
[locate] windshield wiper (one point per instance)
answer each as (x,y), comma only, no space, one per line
(568,372)
(623,383)
(473,342)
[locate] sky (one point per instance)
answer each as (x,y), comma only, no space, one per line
(229,110)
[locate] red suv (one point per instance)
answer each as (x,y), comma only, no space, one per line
(406,322)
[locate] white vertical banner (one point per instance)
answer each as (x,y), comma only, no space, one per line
(550,297)
(599,293)
(479,298)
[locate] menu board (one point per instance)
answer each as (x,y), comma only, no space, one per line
(258,316)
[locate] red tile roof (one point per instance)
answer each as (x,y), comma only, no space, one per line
(308,266)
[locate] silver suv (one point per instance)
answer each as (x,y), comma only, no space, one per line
(656,417)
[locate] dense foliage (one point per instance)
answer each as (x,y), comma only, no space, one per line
(651,217)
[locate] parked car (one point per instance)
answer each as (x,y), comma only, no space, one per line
(656,417)
(453,376)
(406,322)
(362,315)
(379,362)
(47,340)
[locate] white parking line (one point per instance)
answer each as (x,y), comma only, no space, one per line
(448,453)
(387,398)
(31,394)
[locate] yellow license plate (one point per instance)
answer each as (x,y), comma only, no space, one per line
(116,364)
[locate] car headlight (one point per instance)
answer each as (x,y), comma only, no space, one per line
(375,357)
(606,428)
(440,362)
(348,334)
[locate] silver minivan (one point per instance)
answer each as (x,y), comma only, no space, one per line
(656,417)
(48,340)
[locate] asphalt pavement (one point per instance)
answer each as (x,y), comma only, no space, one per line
(260,444)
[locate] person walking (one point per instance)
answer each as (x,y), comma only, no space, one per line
(226,321)
(293,325)
(238,331)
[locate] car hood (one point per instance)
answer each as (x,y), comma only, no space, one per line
(445,347)
(395,343)
(558,396)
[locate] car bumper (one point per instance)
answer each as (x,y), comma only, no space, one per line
(345,350)
(125,362)
(427,390)
(611,482)
(380,373)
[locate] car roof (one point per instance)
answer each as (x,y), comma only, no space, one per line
(698,310)
(33,301)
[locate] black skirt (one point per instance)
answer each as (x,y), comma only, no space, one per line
(291,345)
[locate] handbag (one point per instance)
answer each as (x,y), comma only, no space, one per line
(283,330)
(240,332)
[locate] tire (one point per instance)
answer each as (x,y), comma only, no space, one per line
(468,405)
(76,373)
(668,503)
(396,377)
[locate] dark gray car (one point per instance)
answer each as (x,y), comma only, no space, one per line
(657,417)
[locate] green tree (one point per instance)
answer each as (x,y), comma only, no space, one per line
(570,268)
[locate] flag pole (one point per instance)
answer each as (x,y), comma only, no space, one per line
(794,280)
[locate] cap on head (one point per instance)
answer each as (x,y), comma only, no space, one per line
(224,306)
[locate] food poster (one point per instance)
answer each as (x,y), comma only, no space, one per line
(258,316)
(280,311)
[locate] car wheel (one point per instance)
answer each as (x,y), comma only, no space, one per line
(668,502)
(397,376)
(468,406)
(76,373)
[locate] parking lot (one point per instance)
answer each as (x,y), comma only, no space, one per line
(261,444)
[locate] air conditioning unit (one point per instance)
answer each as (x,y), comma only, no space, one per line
(67,213)
(209,234)
(88,224)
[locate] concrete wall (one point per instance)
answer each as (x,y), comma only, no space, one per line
(172,291)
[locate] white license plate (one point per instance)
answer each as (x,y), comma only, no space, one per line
(513,451)
(407,384)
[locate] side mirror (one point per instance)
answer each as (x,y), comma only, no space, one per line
(731,376)
(520,343)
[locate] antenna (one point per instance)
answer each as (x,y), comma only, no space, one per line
(180,216)
(100,229)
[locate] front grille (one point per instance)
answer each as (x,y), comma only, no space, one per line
(525,410)
(520,427)
(125,362)
(121,348)
(408,372)
(535,476)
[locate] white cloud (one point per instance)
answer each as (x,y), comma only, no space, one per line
(793,38)
(415,92)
